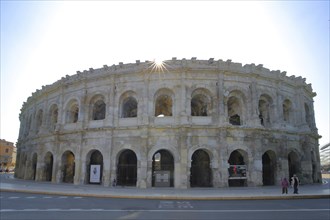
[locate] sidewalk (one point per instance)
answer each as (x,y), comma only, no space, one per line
(9,184)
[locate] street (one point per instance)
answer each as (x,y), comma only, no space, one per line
(39,206)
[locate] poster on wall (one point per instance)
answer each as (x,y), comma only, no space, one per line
(237,171)
(95,174)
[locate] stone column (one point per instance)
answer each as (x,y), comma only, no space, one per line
(254,170)
(54,168)
(224,154)
(253,98)
(221,112)
(149,173)
(144,107)
(78,163)
(40,170)
(215,172)
(107,181)
(282,169)
(142,174)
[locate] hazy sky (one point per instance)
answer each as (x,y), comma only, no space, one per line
(42,41)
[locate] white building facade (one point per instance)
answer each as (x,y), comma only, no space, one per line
(193,123)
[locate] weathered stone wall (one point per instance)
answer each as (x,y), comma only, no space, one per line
(265,115)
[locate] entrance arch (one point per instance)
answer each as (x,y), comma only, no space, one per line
(237,173)
(68,167)
(163,160)
(294,163)
(94,157)
(127,168)
(200,171)
(48,170)
(268,168)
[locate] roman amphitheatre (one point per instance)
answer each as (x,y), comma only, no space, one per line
(182,123)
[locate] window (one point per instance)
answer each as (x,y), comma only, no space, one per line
(99,110)
(163,106)
(199,105)
(129,108)
(234,111)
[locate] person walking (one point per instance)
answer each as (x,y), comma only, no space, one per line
(285,185)
(295,184)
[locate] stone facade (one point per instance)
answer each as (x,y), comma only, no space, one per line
(192,123)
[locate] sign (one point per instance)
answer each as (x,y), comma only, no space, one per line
(237,171)
(162,178)
(95,174)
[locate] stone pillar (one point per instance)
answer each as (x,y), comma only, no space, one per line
(149,173)
(54,169)
(283,169)
(82,178)
(178,175)
(27,169)
(40,171)
(215,172)
(77,173)
(221,100)
(224,154)
(184,171)
(142,174)
(107,181)
(253,98)
(254,170)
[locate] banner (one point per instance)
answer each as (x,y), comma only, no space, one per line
(95,174)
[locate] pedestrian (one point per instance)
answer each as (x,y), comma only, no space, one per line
(285,185)
(295,183)
(114,183)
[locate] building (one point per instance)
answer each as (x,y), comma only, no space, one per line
(183,123)
(7,154)
(325,157)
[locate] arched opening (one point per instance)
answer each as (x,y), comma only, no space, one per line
(127,169)
(294,163)
(48,170)
(163,105)
(99,110)
(72,112)
(234,111)
(68,167)
(308,117)
(200,171)
(34,166)
(163,169)
(268,168)
(129,108)
(94,169)
(287,111)
(237,169)
(199,105)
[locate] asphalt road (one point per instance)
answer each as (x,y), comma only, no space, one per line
(37,206)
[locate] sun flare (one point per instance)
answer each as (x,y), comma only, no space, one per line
(158,65)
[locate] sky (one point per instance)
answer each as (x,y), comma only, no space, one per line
(42,41)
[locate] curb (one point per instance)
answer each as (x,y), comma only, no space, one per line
(169,197)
